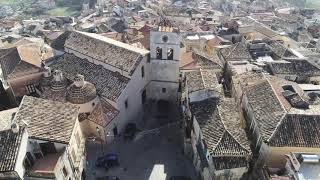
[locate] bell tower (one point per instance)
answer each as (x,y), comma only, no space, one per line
(164,62)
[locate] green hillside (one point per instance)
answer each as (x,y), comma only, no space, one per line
(313,4)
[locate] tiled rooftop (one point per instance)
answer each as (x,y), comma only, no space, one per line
(236,52)
(81,95)
(12,65)
(9,59)
(103,113)
(6,117)
(109,51)
(48,93)
(202,79)
(298,131)
(46,119)
(208,62)
(209,121)
(108,84)
(221,128)
(59,42)
(282,67)
(194,81)
(265,30)
(9,149)
(267,109)
(278,49)
(231,120)
(279,122)
(22,69)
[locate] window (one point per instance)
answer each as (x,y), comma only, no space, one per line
(126,103)
(30,88)
(148,58)
(159,53)
(170,54)
(65,172)
(93,104)
(164,90)
(142,71)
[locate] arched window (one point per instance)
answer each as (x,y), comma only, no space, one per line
(170,54)
(159,53)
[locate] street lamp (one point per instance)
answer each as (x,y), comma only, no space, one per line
(99,133)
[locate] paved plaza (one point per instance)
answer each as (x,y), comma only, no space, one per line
(155,154)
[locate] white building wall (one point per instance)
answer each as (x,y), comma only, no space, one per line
(108,130)
(19,168)
(63,162)
(165,70)
(155,91)
(133,95)
(78,149)
(89,106)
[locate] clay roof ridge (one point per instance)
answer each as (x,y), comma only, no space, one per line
(226,129)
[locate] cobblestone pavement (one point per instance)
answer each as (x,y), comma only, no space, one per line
(153,156)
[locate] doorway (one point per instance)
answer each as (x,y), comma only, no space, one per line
(144,96)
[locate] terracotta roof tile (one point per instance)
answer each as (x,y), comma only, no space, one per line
(9,59)
(298,131)
(108,84)
(236,52)
(103,113)
(9,149)
(222,137)
(202,79)
(6,117)
(46,119)
(267,109)
(112,52)
(12,65)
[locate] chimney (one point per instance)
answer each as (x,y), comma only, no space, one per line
(57,76)
(59,82)
(15,127)
(47,72)
(79,81)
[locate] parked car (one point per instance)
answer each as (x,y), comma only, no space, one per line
(107,161)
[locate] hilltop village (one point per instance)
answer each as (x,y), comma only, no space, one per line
(161,90)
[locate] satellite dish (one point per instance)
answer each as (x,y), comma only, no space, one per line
(15,127)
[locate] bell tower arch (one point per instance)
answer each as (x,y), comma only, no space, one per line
(164,59)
